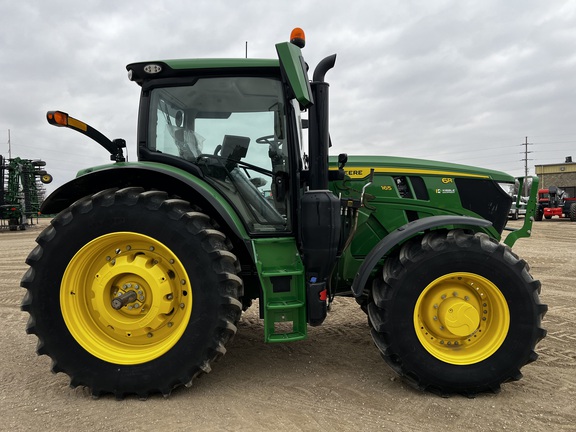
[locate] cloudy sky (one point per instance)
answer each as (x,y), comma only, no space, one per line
(457,80)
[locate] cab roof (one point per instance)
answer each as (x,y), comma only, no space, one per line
(143,71)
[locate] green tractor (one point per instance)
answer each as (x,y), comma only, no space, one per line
(139,282)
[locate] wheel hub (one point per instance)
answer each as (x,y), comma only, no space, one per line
(126,298)
(461,318)
(458,316)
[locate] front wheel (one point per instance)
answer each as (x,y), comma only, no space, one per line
(454,312)
(538,215)
(130,292)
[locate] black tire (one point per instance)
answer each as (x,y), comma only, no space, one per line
(46,178)
(188,272)
(13,224)
(548,217)
(539,214)
(409,313)
(573,212)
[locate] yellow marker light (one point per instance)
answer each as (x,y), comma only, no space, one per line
(77,124)
(298,38)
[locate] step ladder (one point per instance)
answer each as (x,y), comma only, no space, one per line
(281,275)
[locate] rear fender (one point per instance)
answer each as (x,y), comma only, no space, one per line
(175,182)
(400,235)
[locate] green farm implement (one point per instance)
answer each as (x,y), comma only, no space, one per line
(21,191)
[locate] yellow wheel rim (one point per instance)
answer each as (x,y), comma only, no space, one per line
(461,318)
(126,298)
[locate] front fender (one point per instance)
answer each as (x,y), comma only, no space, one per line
(402,234)
(148,175)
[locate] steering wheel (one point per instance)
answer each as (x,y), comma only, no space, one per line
(269,139)
(273,148)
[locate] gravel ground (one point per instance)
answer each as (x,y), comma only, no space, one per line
(335,380)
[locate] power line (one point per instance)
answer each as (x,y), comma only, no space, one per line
(556,142)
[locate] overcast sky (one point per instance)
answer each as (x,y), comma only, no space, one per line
(455,80)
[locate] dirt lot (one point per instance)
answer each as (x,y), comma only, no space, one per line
(335,380)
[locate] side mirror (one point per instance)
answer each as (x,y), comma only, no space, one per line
(342,160)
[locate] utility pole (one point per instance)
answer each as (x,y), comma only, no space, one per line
(526,144)
(9,146)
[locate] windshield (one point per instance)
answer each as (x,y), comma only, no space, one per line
(234,129)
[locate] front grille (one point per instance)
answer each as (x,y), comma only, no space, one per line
(485,198)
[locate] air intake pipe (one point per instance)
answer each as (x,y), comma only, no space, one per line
(318,132)
(320,208)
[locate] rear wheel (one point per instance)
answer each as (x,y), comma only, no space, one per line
(573,212)
(456,313)
(132,293)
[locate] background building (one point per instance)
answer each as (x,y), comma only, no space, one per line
(562,175)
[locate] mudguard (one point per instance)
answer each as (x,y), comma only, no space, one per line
(149,176)
(400,235)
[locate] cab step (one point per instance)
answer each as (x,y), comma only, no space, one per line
(281,274)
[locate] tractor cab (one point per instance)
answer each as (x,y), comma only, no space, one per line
(230,131)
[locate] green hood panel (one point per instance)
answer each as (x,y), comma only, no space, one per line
(359,167)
